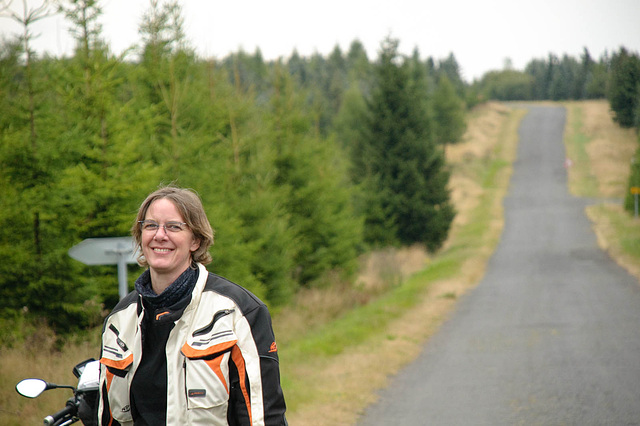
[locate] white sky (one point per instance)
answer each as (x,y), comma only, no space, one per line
(480,33)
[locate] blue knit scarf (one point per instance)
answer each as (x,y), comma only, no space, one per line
(180,288)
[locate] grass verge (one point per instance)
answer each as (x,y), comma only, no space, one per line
(618,234)
(604,150)
(582,182)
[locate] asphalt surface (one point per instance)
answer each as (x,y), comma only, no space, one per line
(550,336)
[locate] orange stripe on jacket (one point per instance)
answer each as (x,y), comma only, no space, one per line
(120,365)
(109,380)
(214,364)
(191,352)
(238,359)
(161,314)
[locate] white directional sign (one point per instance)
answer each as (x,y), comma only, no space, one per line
(104,251)
(107,251)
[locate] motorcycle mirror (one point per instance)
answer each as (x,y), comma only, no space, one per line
(79,369)
(31,388)
(90,378)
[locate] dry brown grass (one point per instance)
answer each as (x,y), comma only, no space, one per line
(485,127)
(610,147)
(390,266)
(39,357)
(378,272)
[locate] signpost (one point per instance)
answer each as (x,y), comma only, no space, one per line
(107,251)
(635,190)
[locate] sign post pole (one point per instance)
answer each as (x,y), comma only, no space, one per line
(635,190)
(122,271)
(107,251)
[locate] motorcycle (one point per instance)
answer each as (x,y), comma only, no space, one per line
(87,372)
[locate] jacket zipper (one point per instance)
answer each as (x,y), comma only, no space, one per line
(209,327)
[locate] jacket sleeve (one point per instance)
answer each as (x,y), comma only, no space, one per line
(270,406)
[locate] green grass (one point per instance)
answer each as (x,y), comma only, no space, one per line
(449,295)
(584,184)
(625,231)
(630,241)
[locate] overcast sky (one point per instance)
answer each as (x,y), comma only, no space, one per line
(480,33)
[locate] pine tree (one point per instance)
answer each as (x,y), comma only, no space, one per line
(624,84)
(451,69)
(234,173)
(405,170)
(318,197)
(537,69)
(449,113)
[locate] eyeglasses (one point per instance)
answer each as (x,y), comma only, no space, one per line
(152,226)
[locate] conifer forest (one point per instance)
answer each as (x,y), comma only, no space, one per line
(302,163)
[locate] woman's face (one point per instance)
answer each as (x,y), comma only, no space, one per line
(167,252)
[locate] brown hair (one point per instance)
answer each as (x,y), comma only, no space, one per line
(190,207)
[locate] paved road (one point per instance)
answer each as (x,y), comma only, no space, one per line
(551,336)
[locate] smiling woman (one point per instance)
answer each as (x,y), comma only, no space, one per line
(186,346)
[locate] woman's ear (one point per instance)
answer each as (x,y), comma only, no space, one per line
(195,245)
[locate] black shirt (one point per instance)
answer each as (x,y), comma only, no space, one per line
(149,384)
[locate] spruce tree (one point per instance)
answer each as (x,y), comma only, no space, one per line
(318,196)
(402,166)
(624,82)
(449,113)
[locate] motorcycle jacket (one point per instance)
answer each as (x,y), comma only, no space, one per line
(220,355)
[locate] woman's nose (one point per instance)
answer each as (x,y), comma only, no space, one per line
(164,232)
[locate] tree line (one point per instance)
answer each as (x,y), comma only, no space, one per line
(302,163)
(552,78)
(615,77)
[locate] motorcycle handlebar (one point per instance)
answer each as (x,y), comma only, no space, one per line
(71,409)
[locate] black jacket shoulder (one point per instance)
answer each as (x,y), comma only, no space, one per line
(129,299)
(245,300)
